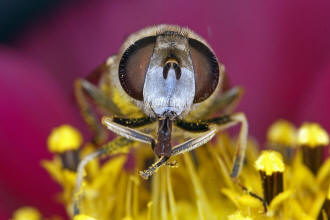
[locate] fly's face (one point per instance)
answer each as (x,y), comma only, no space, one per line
(168,72)
(169,85)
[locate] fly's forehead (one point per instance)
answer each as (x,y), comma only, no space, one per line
(172,45)
(169,94)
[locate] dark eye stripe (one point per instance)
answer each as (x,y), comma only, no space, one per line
(133,66)
(206,69)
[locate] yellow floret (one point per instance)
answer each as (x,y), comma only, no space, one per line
(238,216)
(270,162)
(83,217)
(282,132)
(313,135)
(27,213)
(64,138)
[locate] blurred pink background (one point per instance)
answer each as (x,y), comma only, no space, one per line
(279,51)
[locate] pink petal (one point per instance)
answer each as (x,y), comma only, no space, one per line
(32,104)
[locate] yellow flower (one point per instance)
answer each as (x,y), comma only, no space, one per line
(199,186)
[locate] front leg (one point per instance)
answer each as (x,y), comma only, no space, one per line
(106,149)
(129,135)
(226,103)
(221,123)
(113,124)
(84,90)
(181,148)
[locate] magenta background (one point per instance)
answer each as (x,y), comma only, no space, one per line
(278,50)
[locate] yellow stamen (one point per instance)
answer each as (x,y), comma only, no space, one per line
(155,195)
(222,168)
(270,162)
(129,198)
(64,138)
(83,217)
(282,132)
(201,200)
(200,209)
(136,184)
(149,206)
(312,135)
(163,199)
(171,195)
(238,216)
(27,213)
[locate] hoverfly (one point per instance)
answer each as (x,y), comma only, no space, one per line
(166,78)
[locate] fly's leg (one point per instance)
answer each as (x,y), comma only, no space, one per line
(181,148)
(145,174)
(84,90)
(119,126)
(132,122)
(226,103)
(109,148)
(241,145)
(112,124)
(193,143)
(222,123)
(129,135)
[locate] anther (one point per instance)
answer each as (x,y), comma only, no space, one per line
(65,141)
(271,168)
(313,139)
(281,137)
(27,213)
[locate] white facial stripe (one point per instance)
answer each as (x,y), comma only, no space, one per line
(161,95)
(170,83)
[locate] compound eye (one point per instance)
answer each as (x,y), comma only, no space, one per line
(206,69)
(133,66)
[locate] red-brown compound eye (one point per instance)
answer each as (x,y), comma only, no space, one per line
(206,69)
(133,66)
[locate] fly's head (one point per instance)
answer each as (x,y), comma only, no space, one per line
(168,72)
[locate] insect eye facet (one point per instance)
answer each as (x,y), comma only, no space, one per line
(206,69)
(133,66)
